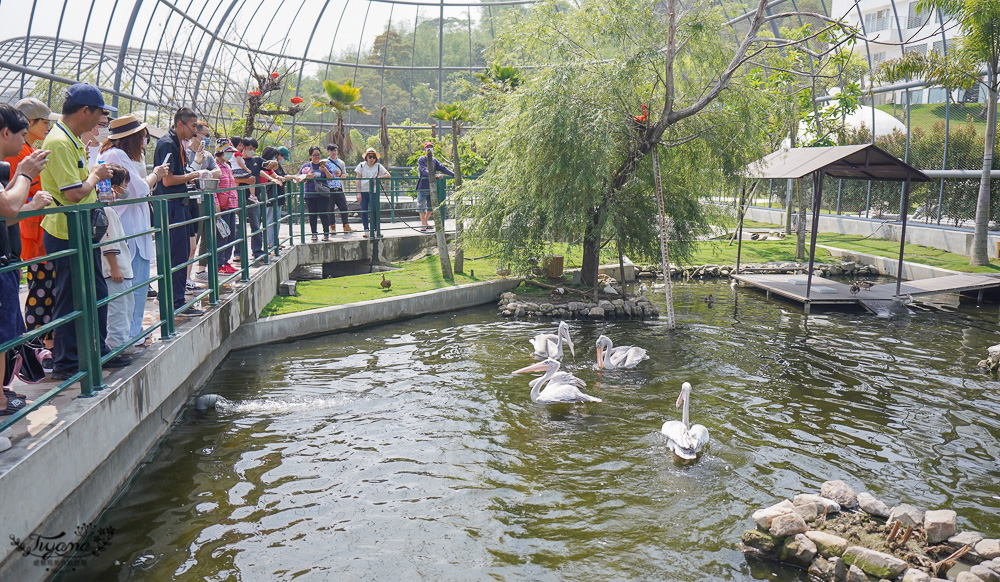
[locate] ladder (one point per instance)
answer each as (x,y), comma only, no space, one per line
(663,238)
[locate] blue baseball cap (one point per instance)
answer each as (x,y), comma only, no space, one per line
(89,95)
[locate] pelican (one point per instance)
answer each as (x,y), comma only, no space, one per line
(609,358)
(560,387)
(549,345)
(685,442)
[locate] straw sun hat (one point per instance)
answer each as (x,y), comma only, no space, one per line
(125,126)
(371,151)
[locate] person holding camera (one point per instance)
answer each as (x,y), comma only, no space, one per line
(424,186)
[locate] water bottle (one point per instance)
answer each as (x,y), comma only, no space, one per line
(104,193)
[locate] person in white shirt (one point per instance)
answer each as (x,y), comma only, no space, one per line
(116,264)
(370,168)
(125,147)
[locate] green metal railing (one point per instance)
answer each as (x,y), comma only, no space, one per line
(389,194)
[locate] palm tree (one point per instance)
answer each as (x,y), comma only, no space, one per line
(500,78)
(977,47)
(341,97)
(456,114)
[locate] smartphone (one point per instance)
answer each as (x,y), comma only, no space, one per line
(166,160)
(206,140)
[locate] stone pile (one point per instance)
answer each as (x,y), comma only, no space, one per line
(840,269)
(632,308)
(841,536)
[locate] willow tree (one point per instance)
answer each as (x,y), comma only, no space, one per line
(977,48)
(566,154)
(456,114)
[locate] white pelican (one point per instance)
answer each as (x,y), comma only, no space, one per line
(560,387)
(549,345)
(609,358)
(685,442)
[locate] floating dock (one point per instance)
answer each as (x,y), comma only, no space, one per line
(827,292)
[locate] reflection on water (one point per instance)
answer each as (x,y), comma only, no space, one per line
(408,451)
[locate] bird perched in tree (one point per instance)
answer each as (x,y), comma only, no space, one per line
(642,118)
(385,282)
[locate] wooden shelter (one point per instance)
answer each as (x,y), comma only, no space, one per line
(852,162)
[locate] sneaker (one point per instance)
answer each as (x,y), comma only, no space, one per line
(119,361)
(191,312)
(60,375)
(201,276)
(314,238)
(151,293)
(347,228)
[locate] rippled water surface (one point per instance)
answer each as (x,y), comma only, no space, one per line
(408,451)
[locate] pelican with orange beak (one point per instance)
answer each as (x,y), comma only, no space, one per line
(612,358)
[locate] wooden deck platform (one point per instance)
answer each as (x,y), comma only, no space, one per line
(828,292)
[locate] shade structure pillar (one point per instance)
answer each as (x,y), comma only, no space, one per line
(739,228)
(817,199)
(902,235)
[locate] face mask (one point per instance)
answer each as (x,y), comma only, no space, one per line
(229,156)
(102,134)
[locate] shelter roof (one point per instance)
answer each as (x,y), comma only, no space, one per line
(851,162)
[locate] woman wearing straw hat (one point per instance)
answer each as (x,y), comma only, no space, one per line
(370,168)
(125,146)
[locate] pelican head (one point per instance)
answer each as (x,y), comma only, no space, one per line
(564,334)
(603,343)
(685,394)
(546,365)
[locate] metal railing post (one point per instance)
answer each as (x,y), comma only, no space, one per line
(302,212)
(164,285)
(244,250)
(212,244)
(262,210)
(88,347)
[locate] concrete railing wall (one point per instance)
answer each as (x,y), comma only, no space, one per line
(69,471)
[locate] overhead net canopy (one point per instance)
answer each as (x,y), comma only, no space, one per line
(152,56)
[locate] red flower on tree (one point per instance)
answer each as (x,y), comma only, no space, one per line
(274,75)
(296,100)
(254,93)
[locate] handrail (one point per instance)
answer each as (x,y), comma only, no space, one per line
(81,249)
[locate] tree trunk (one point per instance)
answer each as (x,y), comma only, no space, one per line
(437,207)
(459,252)
(980,254)
(591,249)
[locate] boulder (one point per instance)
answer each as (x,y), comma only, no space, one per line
(907,515)
(966,538)
(821,568)
(914,575)
(872,506)
(830,505)
(939,525)
(596,313)
(988,549)
(855,574)
(993,564)
(967,577)
(986,573)
(798,550)
(759,540)
(878,564)
(827,544)
(809,511)
(840,492)
(788,524)
(839,569)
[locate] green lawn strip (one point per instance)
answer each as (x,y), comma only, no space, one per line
(912,252)
(722,253)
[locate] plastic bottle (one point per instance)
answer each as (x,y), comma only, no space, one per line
(104,193)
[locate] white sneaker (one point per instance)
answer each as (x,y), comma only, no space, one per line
(201,275)
(4,444)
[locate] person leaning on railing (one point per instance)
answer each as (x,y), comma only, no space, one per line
(126,146)
(13,195)
(424,185)
(370,168)
(38,305)
(226,200)
(68,179)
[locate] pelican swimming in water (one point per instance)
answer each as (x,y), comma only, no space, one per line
(549,345)
(685,442)
(559,387)
(610,358)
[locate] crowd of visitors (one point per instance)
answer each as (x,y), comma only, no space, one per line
(87,149)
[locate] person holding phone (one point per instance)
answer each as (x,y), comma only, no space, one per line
(366,170)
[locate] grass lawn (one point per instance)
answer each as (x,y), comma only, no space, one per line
(925,115)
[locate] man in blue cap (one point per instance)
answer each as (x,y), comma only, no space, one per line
(70,181)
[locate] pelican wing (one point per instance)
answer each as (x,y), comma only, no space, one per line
(627,356)
(684,442)
(568,379)
(563,393)
(700,435)
(546,345)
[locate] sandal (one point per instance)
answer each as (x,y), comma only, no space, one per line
(12,394)
(326,237)
(315,238)
(14,405)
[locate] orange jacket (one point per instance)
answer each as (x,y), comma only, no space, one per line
(31,228)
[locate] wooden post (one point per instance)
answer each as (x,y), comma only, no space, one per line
(817,200)
(902,235)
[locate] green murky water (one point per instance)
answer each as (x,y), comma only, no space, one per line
(408,451)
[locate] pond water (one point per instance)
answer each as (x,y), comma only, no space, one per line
(409,451)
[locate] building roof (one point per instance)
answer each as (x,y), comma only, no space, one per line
(852,162)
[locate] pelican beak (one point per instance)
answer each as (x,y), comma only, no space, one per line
(680,400)
(571,348)
(536,367)
(600,358)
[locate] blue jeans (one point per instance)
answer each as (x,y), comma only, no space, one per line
(140,272)
(180,248)
(365,202)
(273,216)
(65,353)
